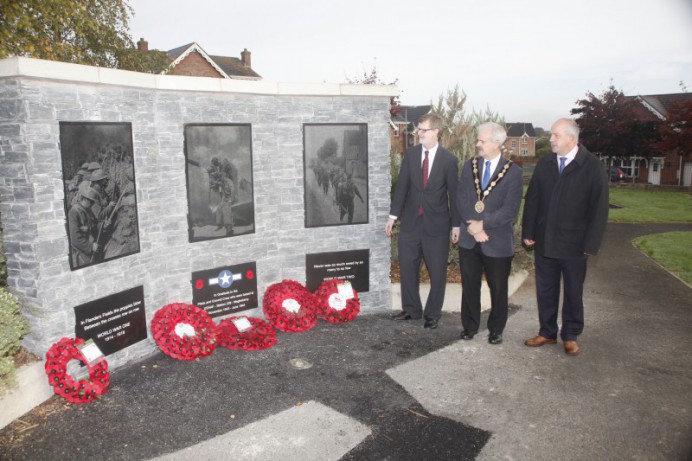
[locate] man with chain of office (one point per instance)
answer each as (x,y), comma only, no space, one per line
(488,200)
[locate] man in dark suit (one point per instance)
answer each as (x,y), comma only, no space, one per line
(424,201)
(565,215)
(488,199)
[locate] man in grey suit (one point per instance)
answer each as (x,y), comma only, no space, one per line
(488,199)
(424,201)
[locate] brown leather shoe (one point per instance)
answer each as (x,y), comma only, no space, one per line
(538,341)
(572,348)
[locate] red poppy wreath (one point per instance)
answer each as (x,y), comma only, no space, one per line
(183,331)
(245,333)
(289,306)
(334,306)
(84,390)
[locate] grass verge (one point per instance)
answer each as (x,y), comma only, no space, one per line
(672,250)
(648,206)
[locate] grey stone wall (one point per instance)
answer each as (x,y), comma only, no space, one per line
(33,216)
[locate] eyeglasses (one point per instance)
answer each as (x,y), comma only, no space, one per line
(423,130)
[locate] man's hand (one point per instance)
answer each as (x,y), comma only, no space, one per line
(481,237)
(455,234)
(474,227)
(388,227)
(529,242)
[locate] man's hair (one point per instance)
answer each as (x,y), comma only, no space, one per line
(497,131)
(571,127)
(436,122)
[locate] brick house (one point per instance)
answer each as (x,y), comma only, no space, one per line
(666,168)
(521,140)
(403,125)
(192,60)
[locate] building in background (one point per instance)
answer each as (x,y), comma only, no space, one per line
(192,60)
(403,126)
(521,140)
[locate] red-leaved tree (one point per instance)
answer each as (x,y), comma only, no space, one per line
(615,125)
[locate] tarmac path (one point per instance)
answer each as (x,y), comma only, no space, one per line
(384,390)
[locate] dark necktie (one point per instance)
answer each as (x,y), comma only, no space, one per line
(486,175)
(425,179)
(425,170)
(562,164)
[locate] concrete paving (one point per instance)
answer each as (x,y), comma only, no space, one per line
(385,390)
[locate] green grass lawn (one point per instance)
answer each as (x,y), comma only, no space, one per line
(646,206)
(673,250)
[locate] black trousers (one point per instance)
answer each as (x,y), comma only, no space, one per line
(473,264)
(549,272)
(414,246)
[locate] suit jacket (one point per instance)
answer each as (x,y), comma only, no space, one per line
(501,207)
(437,198)
(566,214)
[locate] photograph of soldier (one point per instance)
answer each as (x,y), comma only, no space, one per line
(100,199)
(219,181)
(336,174)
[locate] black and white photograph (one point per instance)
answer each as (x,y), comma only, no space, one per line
(219,180)
(336,174)
(100,197)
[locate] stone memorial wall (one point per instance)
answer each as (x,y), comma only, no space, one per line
(40,100)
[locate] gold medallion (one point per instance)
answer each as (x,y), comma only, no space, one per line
(479,207)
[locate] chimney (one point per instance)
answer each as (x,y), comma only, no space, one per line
(142,45)
(245,57)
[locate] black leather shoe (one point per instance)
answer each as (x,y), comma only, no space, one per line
(429,323)
(402,316)
(468,335)
(495,338)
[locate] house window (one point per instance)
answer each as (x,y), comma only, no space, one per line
(396,130)
(524,152)
(514,144)
(524,139)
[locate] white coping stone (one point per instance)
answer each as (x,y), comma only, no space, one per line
(308,432)
(39,68)
(32,389)
(127,78)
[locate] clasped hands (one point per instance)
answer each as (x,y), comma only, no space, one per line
(475,228)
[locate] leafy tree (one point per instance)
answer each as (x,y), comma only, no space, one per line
(614,125)
(458,134)
(675,132)
(543,147)
(92,32)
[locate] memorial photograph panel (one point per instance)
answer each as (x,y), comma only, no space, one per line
(100,196)
(220,195)
(335,160)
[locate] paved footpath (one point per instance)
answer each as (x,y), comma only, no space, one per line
(384,390)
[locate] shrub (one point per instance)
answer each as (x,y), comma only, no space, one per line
(12,328)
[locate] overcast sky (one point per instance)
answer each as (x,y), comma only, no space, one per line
(528,60)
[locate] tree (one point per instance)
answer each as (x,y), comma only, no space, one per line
(676,131)
(92,32)
(543,147)
(611,124)
(372,78)
(458,134)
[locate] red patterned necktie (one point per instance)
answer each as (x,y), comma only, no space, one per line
(425,180)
